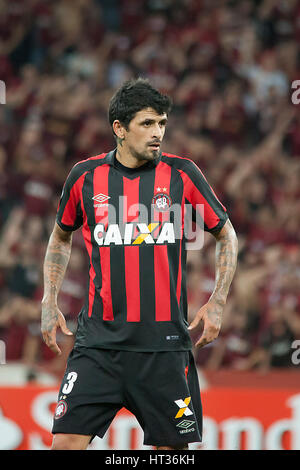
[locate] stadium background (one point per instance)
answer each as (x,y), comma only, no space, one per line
(229,68)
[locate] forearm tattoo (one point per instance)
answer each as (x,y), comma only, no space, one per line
(55,265)
(226,261)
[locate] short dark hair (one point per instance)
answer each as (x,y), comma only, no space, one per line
(133,96)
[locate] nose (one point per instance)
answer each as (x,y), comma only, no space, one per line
(157,132)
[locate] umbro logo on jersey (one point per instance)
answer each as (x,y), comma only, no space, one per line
(184,409)
(100,198)
(130,236)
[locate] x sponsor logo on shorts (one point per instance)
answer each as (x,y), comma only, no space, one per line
(184,409)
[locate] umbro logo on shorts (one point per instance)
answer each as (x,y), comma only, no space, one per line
(184,409)
(185,424)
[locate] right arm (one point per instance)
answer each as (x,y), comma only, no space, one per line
(55,265)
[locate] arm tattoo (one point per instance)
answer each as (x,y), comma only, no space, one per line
(226,260)
(55,265)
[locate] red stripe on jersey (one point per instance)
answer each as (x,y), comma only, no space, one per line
(179,274)
(101,217)
(179,277)
(162,283)
(69,215)
(132,253)
(92,275)
(132,282)
(161,261)
(86,233)
(88,243)
(105,291)
(131,199)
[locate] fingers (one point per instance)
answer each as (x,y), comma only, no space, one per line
(63,326)
(211,328)
(50,340)
(207,337)
(203,341)
(51,319)
(195,323)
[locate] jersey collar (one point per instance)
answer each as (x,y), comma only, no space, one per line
(110,158)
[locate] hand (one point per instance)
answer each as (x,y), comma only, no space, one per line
(51,319)
(211,315)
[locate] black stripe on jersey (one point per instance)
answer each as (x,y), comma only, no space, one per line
(147,282)
(117,255)
(87,195)
(176,194)
(183,297)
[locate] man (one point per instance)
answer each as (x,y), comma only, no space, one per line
(133,347)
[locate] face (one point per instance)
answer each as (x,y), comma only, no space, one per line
(144,135)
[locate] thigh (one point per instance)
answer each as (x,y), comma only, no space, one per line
(70,442)
(90,394)
(162,391)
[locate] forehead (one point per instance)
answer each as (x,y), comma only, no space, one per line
(149,113)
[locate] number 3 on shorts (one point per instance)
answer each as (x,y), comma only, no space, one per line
(71,378)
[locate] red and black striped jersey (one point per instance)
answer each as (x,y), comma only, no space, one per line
(136,242)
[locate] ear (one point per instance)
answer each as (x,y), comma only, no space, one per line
(118,129)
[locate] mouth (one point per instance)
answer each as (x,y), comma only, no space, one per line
(155,146)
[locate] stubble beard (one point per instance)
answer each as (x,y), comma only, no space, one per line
(149,155)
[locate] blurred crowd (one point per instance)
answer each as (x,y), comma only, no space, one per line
(228,66)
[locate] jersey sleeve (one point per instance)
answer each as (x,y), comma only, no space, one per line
(206,207)
(69,213)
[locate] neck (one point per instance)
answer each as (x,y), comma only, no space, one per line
(125,157)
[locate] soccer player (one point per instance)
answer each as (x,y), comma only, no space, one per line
(133,346)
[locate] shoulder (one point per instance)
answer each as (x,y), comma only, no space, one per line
(84,166)
(89,163)
(182,164)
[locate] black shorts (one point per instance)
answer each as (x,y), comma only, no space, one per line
(160,388)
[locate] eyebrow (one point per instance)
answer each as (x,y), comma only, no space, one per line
(163,120)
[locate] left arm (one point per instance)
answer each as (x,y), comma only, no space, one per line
(226,260)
